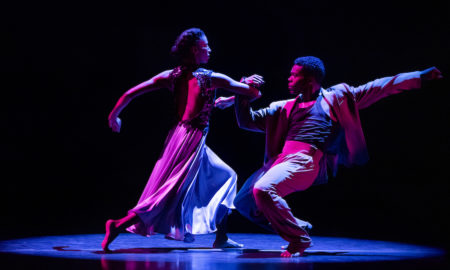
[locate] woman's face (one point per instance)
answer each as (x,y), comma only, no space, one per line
(202,51)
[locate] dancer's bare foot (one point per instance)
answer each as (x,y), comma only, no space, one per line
(295,249)
(111,233)
(284,247)
(227,244)
(287,254)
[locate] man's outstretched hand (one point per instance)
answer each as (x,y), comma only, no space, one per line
(431,73)
(224,102)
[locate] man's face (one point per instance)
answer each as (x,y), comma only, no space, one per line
(298,82)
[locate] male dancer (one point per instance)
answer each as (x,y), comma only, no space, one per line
(318,128)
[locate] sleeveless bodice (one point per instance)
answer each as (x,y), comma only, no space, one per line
(203,76)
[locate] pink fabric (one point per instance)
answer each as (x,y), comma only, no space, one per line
(190,188)
(295,169)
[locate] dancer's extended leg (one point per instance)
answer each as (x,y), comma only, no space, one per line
(114,227)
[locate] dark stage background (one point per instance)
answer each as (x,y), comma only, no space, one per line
(65,65)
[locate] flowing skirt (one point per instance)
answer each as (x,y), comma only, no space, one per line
(190,188)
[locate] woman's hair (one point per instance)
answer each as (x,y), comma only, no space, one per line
(312,66)
(181,50)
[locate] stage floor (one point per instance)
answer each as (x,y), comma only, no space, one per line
(261,251)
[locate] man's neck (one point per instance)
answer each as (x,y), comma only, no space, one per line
(310,95)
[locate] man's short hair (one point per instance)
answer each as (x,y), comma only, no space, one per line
(312,66)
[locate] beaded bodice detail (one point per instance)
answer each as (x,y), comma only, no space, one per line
(203,76)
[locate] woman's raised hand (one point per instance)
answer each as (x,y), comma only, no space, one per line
(254,80)
(114,123)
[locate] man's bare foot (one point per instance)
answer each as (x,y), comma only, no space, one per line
(287,254)
(111,233)
(284,247)
(227,244)
(295,249)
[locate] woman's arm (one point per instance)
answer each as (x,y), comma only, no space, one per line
(219,80)
(159,81)
(225,102)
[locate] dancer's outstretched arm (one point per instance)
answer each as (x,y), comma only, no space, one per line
(225,102)
(367,94)
(246,117)
(159,81)
(219,80)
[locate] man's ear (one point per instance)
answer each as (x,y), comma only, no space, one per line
(312,81)
(308,80)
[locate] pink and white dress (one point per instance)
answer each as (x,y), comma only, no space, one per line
(190,188)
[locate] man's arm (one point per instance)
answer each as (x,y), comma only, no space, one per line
(248,119)
(367,94)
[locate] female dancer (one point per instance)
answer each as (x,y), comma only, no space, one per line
(190,190)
